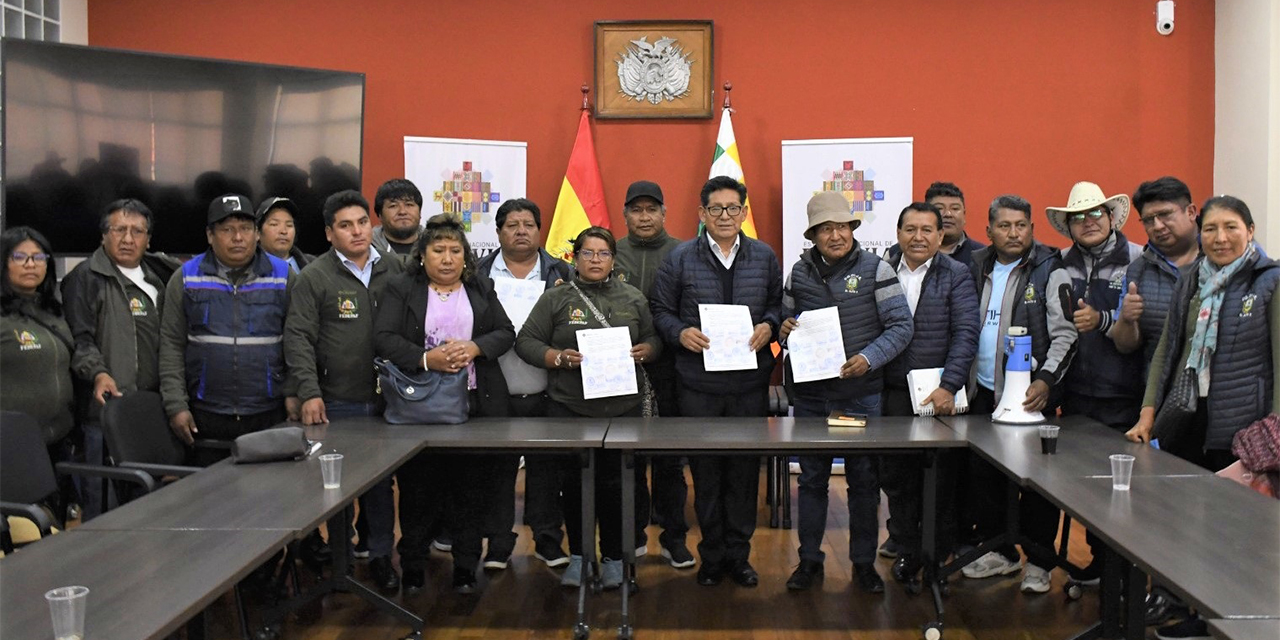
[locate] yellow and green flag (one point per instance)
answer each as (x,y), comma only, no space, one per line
(727,163)
(581,201)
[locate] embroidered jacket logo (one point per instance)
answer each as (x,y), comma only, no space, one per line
(27,341)
(576,316)
(1246,307)
(851,283)
(137,307)
(348,308)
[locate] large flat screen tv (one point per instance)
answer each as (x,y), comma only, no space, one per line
(85,126)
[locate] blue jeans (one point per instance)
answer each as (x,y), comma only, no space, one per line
(377,518)
(864,488)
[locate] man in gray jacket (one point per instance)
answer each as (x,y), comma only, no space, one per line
(399,207)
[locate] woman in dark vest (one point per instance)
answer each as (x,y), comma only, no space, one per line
(438,315)
(1224,329)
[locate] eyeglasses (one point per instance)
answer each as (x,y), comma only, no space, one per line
(1164,218)
(716,210)
(589,255)
(1094,214)
(131,231)
(22,258)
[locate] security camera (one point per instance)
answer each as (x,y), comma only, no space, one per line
(1164,17)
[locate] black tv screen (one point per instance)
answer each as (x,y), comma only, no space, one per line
(86,126)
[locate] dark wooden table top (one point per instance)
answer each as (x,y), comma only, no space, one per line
(275,495)
(777,434)
(142,584)
(1245,629)
(1214,542)
(518,433)
(1084,449)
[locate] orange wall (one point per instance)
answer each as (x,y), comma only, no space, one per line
(1000,96)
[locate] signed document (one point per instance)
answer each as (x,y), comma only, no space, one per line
(816,346)
(607,367)
(729,328)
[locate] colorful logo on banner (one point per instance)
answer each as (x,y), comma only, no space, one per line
(858,186)
(467,195)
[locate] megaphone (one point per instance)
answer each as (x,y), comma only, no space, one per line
(1017,379)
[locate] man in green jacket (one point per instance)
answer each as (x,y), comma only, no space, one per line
(645,246)
(112,303)
(328,347)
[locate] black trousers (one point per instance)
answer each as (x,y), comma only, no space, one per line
(215,426)
(670,492)
(902,479)
(1037,518)
(725,488)
(544,476)
(445,491)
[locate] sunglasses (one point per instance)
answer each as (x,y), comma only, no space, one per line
(1095,214)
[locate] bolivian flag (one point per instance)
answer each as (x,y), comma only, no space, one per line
(727,163)
(581,201)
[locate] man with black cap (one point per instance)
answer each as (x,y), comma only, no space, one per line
(277,233)
(640,252)
(876,326)
(222,370)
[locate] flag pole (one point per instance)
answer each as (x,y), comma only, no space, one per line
(728,86)
(586,106)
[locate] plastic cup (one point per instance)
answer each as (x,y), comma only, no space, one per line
(331,470)
(1121,471)
(66,606)
(1049,439)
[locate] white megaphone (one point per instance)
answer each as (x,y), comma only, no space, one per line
(1017,379)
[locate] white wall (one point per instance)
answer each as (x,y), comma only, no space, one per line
(75,21)
(1246,154)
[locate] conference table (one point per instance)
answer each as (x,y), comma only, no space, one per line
(1245,629)
(785,436)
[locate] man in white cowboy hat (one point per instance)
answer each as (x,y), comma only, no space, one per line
(877,326)
(1103,383)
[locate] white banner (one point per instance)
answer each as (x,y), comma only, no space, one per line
(874,174)
(469,178)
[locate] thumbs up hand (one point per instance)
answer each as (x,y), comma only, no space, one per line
(1086,318)
(1131,310)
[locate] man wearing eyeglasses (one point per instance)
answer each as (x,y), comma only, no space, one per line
(112,302)
(222,367)
(1173,241)
(721,266)
(1102,383)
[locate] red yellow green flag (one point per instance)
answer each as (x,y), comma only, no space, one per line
(581,201)
(727,163)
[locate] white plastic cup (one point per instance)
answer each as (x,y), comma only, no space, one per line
(66,606)
(331,470)
(1121,471)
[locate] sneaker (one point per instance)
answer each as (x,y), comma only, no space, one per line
(1162,607)
(890,549)
(442,544)
(678,554)
(1035,579)
(610,573)
(497,559)
(991,564)
(361,550)
(1089,576)
(1193,628)
(642,551)
(550,553)
(573,573)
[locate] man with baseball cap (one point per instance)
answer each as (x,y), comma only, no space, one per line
(876,326)
(645,246)
(222,370)
(277,231)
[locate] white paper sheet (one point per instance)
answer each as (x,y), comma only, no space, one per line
(729,328)
(816,346)
(518,297)
(607,367)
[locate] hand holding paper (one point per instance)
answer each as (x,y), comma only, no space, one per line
(728,330)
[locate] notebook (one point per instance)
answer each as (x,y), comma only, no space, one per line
(922,382)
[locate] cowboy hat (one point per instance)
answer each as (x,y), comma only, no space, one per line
(829,206)
(1084,197)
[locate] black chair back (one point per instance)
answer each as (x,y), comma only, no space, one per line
(26,472)
(137,430)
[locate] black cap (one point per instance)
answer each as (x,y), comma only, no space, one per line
(229,205)
(276,203)
(643,189)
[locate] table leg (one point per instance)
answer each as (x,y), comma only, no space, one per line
(784,489)
(1135,589)
(587,462)
(771,492)
(1109,593)
(628,539)
(929,532)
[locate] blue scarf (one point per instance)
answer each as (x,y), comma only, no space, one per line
(1213,284)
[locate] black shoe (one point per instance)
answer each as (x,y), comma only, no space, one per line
(868,579)
(710,574)
(497,559)
(314,551)
(361,551)
(744,575)
(1193,628)
(413,581)
(1163,607)
(384,575)
(1089,576)
(551,553)
(805,576)
(464,580)
(906,571)
(678,555)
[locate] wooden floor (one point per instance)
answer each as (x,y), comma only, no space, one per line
(526,600)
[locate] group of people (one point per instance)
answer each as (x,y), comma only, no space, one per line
(253,332)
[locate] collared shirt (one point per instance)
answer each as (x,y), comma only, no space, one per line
(500,268)
(912,281)
(365,274)
(733,252)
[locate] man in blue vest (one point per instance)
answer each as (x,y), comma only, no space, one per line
(721,266)
(222,368)
(875,323)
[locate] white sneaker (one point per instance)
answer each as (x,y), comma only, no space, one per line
(642,551)
(1035,579)
(991,564)
(610,573)
(573,573)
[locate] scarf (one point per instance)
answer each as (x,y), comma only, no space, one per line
(1213,284)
